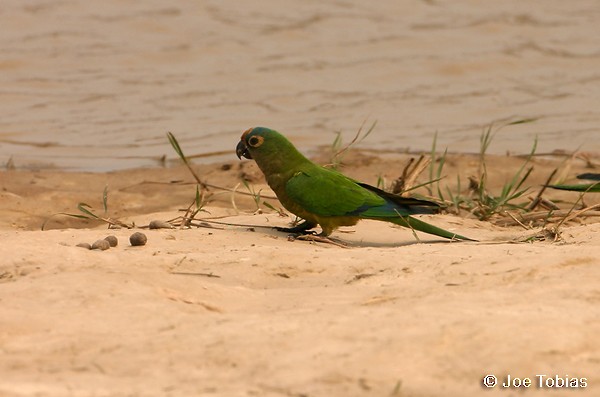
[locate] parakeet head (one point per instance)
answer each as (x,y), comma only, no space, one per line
(263,144)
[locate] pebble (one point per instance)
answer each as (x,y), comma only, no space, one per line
(138,239)
(84,245)
(102,245)
(112,240)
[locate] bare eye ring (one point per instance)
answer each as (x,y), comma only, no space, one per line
(255,141)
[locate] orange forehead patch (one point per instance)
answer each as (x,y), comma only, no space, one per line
(249,130)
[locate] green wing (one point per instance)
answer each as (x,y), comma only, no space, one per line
(328,193)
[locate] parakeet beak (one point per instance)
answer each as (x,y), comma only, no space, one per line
(242,150)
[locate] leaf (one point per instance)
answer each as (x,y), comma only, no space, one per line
(176,147)
(584,187)
(63,213)
(83,208)
(422,184)
(523,121)
(589,175)
(358,138)
(269,206)
(439,173)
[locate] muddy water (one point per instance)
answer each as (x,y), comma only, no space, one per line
(96,85)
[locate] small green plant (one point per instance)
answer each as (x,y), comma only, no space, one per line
(173,141)
(435,173)
(280,211)
(456,200)
(481,202)
(204,186)
(258,200)
(436,168)
(486,204)
(407,180)
(194,208)
(338,151)
(88,214)
(255,195)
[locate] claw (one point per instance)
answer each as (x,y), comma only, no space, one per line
(320,239)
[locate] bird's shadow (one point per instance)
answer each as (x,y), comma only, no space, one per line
(336,240)
(375,244)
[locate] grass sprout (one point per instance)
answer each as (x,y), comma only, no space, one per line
(482,203)
(255,195)
(338,151)
(487,204)
(87,213)
(175,144)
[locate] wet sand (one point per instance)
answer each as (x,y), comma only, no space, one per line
(96,87)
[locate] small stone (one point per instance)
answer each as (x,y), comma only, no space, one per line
(102,245)
(160,225)
(112,240)
(138,239)
(84,245)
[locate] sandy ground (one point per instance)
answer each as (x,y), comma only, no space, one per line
(234,311)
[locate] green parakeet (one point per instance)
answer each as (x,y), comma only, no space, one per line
(325,197)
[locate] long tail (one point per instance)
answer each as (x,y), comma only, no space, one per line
(416,224)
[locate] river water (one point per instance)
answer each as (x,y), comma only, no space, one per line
(95,86)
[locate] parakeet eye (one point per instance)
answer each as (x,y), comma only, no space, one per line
(255,141)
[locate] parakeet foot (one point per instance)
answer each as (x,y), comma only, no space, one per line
(319,238)
(302,228)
